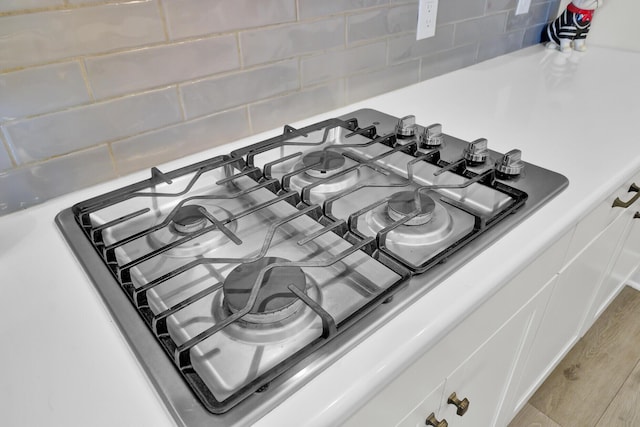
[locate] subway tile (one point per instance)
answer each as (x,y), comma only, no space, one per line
(145,68)
(363,86)
(221,93)
(156,147)
(336,64)
(538,14)
(407,47)
(500,5)
(533,35)
(98,1)
(382,22)
(19,5)
(447,61)
(554,9)
(315,8)
(458,10)
(78,128)
(41,89)
(289,40)
(480,28)
(24,187)
(47,36)
(500,45)
(188,18)
(286,109)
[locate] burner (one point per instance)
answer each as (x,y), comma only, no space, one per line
(325,163)
(404,203)
(416,243)
(275,302)
(324,174)
(187,220)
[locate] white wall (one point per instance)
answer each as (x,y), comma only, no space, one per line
(613,24)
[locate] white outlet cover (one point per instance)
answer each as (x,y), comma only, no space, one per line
(523,7)
(427,13)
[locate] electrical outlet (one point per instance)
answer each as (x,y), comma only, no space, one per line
(523,6)
(427,13)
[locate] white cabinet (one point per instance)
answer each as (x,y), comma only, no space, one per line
(623,253)
(626,260)
(480,379)
(586,284)
(565,313)
(608,287)
(483,378)
(516,393)
(477,359)
(629,257)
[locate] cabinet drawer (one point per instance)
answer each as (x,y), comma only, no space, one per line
(600,217)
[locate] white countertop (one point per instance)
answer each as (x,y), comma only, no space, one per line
(64,362)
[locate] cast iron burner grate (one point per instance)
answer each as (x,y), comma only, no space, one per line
(314,175)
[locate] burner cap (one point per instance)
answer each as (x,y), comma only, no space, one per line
(323,162)
(275,302)
(189,218)
(403,203)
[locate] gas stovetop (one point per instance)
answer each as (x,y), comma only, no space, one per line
(239,278)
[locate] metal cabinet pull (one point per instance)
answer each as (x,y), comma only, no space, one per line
(617,203)
(637,215)
(462,405)
(432,421)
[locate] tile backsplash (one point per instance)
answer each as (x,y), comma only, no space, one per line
(94,89)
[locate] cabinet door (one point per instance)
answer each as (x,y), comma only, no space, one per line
(518,392)
(568,306)
(483,377)
(629,258)
(626,264)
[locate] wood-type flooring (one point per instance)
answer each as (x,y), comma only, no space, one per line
(597,384)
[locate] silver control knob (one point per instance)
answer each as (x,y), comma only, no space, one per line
(511,163)
(431,136)
(476,151)
(406,126)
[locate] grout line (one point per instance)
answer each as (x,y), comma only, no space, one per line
(249,121)
(346,31)
(115,51)
(114,165)
(4,142)
(85,76)
(65,6)
(299,63)
(239,51)
(183,111)
(163,19)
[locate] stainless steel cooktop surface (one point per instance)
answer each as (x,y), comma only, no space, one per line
(239,278)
